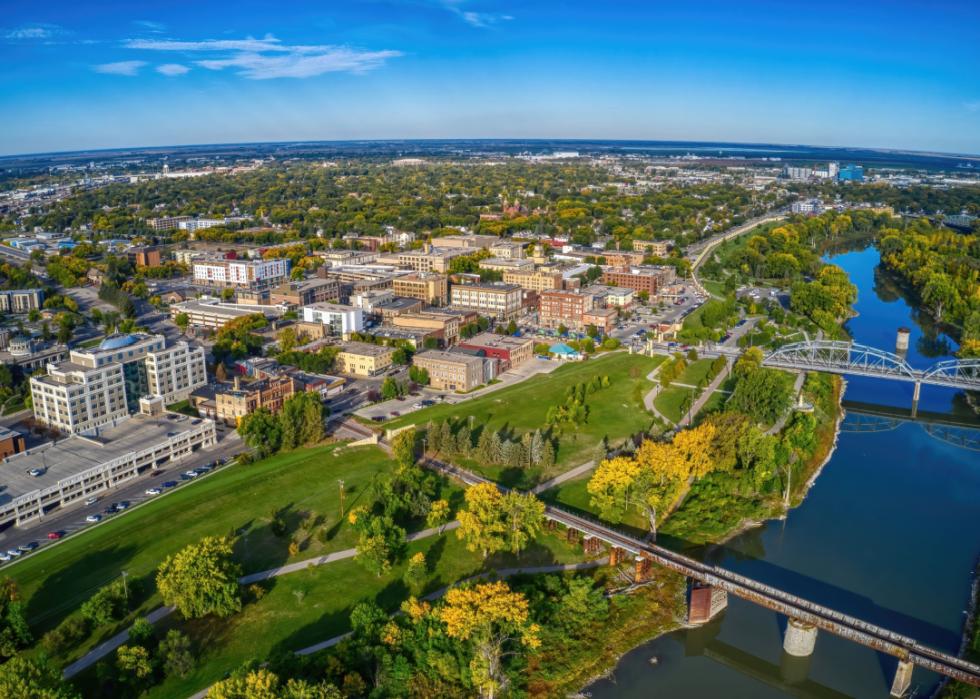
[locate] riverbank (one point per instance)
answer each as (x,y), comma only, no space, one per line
(969,647)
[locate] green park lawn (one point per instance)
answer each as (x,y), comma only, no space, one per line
(671,402)
(695,372)
(310,606)
(615,412)
(240,500)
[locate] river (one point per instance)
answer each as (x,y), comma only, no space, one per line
(888,532)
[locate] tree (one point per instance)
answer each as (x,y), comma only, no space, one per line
(288,339)
(262,431)
(380,544)
(419,375)
(762,394)
(25,678)
(403,448)
(264,684)
(133,663)
(201,579)
(301,419)
(14,632)
(390,389)
(493,521)
(175,654)
(492,618)
(106,605)
(416,573)
(439,514)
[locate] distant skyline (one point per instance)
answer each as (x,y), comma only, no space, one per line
(878,74)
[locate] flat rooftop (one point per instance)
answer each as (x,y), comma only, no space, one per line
(493,340)
(366,349)
(78,453)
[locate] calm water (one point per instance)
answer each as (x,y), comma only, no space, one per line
(889,533)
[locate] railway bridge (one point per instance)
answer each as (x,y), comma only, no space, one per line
(711,585)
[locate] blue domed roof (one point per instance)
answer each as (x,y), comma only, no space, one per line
(116,341)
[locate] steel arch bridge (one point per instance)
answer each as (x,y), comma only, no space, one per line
(861,360)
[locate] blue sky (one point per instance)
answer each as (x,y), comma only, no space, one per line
(97,74)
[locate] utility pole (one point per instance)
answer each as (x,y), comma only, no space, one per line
(340,482)
(125,586)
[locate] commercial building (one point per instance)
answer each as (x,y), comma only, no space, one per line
(11,442)
(612,296)
(31,354)
(98,386)
(453,371)
(506,264)
(648,278)
(622,258)
(502,301)
(566,308)
(21,300)
(511,352)
(537,280)
(444,326)
(195,224)
(654,248)
(81,466)
(166,223)
(342,320)
(604,319)
(306,292)
(430,287)
(468,243)
(213,314)
(364,359)
(242,273)
(236,400)
(429,259)
(851,173)
(508,250)
(145,256)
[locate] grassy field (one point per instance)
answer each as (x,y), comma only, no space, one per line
(615,412)
(671,401)
(298,486)
(695,372)
(310,606)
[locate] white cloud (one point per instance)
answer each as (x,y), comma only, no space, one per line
(150,26)
(267,58)
(129,68)
(172,69)
(472,18)
(37,31)
(973,106)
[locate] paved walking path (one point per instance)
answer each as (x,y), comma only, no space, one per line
(781,422)
(706,394)
(566,476)
(652,395)
(103,649)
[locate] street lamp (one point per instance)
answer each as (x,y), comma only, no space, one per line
(340,482)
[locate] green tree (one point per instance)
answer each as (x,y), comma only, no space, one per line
(26,678)
(201,579)
(416,574)
(380,544)
(390,389)
(14,632)
(134,665)
(182,320)
(175,654)
(262,431)
(493,521)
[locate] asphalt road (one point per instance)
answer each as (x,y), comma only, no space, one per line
(72,518)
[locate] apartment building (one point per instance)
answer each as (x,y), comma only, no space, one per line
(241,273)
(502,301)
(566,308)
(654,248)
(364,359)
(430,287)
(306,292)
(506,264)
(648,278)
(511,352)
(145,256)
(508,250)
(623,258)
(429,259)
(21,300)
(604,319)
(342,320)
(98,386)
(166,223)
(536,280)
(235,401)
(452,371)
(444,326)
(468,243)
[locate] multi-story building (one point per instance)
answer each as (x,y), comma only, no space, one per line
(537,280)
(622,258)
(364,359)
(145,256)
(511,352)
(21,300)
(508,250)
(166,223)
(11,442)
(469,243)
(195,224)
(430,287)
(306,292)
(506,264)
(453,371)
(340,258)
(429,259)
(242,273)
(98,386)
(502,301)
(445,326)
(213,314)
(235,401)
(851,173)
(566,308)
(648,278)
(654,248)
(342,320)
(604,319)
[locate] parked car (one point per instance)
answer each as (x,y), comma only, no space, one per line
(123,505)
(94,518)
(55,535)
(29,546)
(111,509)
(4,556)
(92,500)
(36,473)
(153,491)
(191,473)
(169,484)
(13,553)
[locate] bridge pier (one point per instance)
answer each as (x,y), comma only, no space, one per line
(641,572)
(903,678)
(915,398)
(591,545)
(800,638)
(615,556)
(705,602)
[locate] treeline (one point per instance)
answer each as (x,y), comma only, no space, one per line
(492,447)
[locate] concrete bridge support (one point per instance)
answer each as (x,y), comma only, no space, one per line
(592,545)
(615,556)
(704,603)
(903,678)
(800,638)
(915,398)
(642,571)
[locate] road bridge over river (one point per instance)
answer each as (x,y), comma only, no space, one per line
(715,583)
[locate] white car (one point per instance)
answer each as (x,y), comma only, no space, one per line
(36,473)
(92,500)
(94,518)
(4,556)
(13,553)
(191,474)
(153,491)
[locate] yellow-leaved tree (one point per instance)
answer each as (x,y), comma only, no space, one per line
(493,521)
(492,617)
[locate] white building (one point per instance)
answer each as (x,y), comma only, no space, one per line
(75,398)
(173,372)
(343,320)
(244,273)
